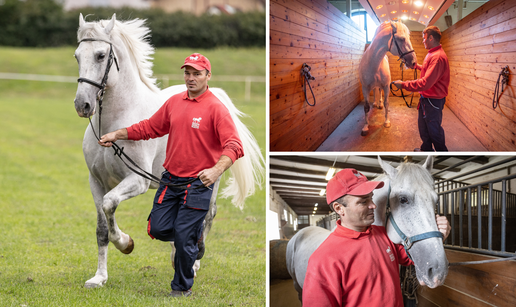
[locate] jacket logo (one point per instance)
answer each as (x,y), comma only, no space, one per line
(194,58)
(389,252)
(196,122)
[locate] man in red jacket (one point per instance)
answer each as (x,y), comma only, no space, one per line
(365,272)
(433,88)
(202,142)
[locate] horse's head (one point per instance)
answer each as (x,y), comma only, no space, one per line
(412,200)
(401,45)
(95,54)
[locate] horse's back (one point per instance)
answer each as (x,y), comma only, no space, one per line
(300,248)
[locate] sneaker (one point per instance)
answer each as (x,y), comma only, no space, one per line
(179,293)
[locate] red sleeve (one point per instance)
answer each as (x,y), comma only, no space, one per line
(419,67)
(156,126)
(229,139)
(435,69)
(402,255)
(322,285)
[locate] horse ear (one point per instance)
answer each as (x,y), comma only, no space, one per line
(390,171)
(394,29)
(81,20)
(429,163)
(111,24)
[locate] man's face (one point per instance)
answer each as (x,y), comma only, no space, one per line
(427,41)
(359,213)
(196,80)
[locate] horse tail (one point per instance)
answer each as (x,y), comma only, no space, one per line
(248,171)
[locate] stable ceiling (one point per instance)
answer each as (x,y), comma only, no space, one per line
(298,180)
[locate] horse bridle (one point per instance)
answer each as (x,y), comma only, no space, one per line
(400,55)
(102,85)
(407,242)
(119,151)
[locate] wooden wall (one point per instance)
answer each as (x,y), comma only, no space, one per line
(416,38)
(478,47)
(316,33)
(492,284)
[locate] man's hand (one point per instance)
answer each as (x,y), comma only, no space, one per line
(397,83)
(443,225)
(108,139)
(210,175)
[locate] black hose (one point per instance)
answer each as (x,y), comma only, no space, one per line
(305,71)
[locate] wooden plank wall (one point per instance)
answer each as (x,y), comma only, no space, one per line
(478,47)
(492,284)
(316,33)
(416,38)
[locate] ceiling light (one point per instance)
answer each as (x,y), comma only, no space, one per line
(316,204)
(395,18)
(422,22)
(431,8)
(330,173)
(315,209)
(415,12)
(404,17)
(412,18)
(394,12)
(379,7)
(383,15)
(418,3)
(404,11)
(392,3)
(322,192)
(426,16)
(405,1)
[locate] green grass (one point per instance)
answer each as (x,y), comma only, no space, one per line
(48,244)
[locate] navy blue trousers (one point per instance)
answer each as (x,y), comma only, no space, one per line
(177,215)
(429,124)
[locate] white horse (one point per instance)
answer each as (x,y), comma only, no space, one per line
(131,95)
(412,201)
(374,69)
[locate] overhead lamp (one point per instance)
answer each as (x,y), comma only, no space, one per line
(405,1)
(330,173)
(383,15)
(316,204)
(315,209)
(412,18)
(426,16)
(404,11)
(431,8)
(418,3)
(394,12)
(322,192)
(404,17)
(392,3)
(379,7)
(422,22)
(415,13)
(395,18)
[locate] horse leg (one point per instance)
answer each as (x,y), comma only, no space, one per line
(208,221)
(130,187)
(387,122)
(378,99)
(366,93)
(101,275)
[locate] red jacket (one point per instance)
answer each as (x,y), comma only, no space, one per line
(435,75)
(199,130)
(355,269)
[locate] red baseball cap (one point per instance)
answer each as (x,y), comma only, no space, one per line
(197,61)
(349,181)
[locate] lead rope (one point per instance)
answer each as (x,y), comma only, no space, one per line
(503,79)
(305,71)
(402,94)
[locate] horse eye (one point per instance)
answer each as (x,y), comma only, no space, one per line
(403,200)
(101,56)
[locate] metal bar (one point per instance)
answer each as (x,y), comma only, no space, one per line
(445,207)
(452,211)
(490,219)
(503,216)
(512,158)
(479,215)
(461,209)
(480,251)
(456,165)
(508,177)
(470,232)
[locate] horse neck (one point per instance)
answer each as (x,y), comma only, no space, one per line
(378,49)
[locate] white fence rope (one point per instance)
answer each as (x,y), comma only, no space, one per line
(164,79)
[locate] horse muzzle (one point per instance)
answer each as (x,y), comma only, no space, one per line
(84,108)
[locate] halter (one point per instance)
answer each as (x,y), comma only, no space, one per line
(407,242)
(401,55)
(102,85)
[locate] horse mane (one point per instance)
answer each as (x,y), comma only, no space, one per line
(400,28)
(134,35)
(412,170)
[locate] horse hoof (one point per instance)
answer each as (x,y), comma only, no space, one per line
(129,247)
(364,133)
(387,125)
(380,107)
(95,282)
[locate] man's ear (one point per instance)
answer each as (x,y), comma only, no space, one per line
(338,208)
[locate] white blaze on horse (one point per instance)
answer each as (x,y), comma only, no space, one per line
(409,191)
(374,69)
(130,96)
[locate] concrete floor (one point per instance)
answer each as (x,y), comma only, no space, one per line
(403,135)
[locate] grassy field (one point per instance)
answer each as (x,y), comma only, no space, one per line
(48,245)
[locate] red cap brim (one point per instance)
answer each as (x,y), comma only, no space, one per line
(198,67)
(366,188)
